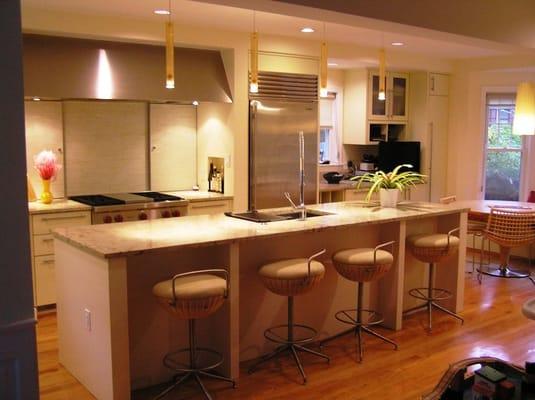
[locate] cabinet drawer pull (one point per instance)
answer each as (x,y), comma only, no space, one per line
(47,240)
(64,217)
(47,262)
(209,205)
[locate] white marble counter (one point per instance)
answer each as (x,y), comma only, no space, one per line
(199,195)
(58,205)
(115,240)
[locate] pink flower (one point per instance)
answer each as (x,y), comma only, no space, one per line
(46,164)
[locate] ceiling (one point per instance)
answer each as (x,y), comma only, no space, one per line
(207,14)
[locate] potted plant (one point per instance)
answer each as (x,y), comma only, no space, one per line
(390,184)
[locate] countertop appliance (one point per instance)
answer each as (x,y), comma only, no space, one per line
(121,207)
(392,154)
(368,163)
(285,105)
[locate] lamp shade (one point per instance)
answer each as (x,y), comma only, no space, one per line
(253,79)
(524,121)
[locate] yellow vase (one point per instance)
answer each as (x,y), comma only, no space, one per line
(46,194)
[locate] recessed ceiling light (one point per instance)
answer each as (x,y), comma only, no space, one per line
(36,99)
(307,29)
(195,103)
(332,64)
(398,44)
(162,12)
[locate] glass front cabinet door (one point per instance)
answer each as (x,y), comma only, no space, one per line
(394,107)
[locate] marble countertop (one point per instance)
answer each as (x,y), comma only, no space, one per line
(58,205)
(129,238)
(199,195)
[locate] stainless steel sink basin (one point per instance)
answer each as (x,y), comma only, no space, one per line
(297,214)
(262,217)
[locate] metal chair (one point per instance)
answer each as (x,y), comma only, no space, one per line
(291,278)
(431,249)
(362,265)
(193,295)
(509,229)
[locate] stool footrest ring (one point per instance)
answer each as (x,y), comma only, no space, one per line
(437,294)
(179,360)
(369,317)
(309,334)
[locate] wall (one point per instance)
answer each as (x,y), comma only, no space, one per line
(467,124)
(219,123)
(18,364)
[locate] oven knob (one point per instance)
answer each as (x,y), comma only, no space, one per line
(107,219)
(118,218)
(142,216)
(166,214)
(175,213)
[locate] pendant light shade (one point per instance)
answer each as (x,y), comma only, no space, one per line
(524,120)
(382,75)
(323,70)
(169,52)
(253,80)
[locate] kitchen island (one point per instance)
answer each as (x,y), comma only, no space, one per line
(113,335)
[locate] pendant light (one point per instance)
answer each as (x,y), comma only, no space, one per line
(382,75)
(524,120)
(169,52)
(253,80)
(323,66)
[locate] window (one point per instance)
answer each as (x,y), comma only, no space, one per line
(504,151)
(329,148)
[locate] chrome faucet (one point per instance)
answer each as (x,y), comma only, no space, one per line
(301,207)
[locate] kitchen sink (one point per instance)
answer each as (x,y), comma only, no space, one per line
(256,216)
(297,214)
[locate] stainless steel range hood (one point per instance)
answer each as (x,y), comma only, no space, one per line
(69,68)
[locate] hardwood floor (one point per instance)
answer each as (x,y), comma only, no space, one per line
(494,326)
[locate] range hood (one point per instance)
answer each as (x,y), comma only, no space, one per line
(70,68)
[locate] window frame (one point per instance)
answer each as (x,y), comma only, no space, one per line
(523,148)
(334,128)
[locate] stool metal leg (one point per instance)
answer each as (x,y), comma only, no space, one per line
(430,295)
(290,345)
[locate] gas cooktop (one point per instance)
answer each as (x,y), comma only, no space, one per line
(157,196)
(114,199)
(96,200)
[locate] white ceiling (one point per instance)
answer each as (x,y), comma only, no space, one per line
(222,17)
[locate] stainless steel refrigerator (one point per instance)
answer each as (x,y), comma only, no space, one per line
(274,126)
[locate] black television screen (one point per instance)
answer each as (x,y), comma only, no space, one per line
(392,154)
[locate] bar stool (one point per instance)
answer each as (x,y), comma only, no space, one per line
(431,249)
(291,278)
(190,296)
(362,265)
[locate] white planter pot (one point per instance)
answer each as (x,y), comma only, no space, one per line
(389,197)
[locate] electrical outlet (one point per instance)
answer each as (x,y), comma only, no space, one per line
(87,319)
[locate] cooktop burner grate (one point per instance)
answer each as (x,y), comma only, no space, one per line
(96,200)
(157,196)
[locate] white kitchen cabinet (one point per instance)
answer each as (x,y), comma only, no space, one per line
(438,84)
(429,125)
(396,105)
(42,246)
(209,207)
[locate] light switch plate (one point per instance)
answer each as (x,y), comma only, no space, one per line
(87,319)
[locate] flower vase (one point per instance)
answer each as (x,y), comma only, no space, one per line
(46,194)
(389,197)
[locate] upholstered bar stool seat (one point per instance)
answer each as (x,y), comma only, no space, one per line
(190,296)
(430,249)
(362,265)
(291,277)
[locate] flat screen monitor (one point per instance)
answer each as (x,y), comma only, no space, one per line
(392,154)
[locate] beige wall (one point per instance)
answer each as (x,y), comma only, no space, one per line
(467,123)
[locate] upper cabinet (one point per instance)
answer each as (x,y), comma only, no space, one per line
(368,120)
(396,105)
(438,84)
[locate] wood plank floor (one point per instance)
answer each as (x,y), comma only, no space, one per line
(494,326)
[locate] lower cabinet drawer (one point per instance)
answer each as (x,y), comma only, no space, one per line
(45,280)
(209,207)
(46,223)
(43,245)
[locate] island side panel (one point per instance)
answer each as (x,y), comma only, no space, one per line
(390,287)
(261,309)
(154,331)
(93,348)
(451,272)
